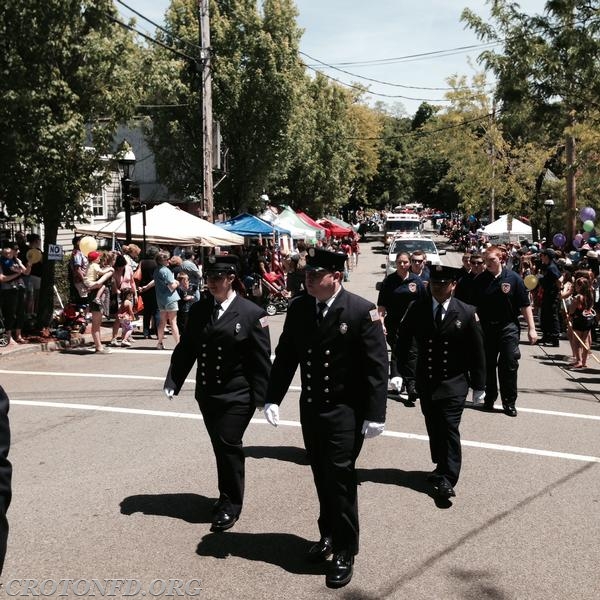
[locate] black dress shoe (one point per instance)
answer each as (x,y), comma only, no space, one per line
(488,406)
(509,410)
(340,570)
(223,521)
(320,550)
(444,489)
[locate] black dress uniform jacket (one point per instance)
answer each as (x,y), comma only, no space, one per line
(234,361)
(450,359)
(233,354)
(343,365)
(342,361)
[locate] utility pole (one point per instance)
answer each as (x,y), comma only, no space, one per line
(207,117)
(493,160)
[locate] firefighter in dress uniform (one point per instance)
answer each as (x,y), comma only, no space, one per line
(229,338)
(337,339)
(450,359)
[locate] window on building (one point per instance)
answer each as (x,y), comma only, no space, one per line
(99,204)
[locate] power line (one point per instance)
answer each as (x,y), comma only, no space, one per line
(150,38)
(160,27)
(413,57)
(357,87)
(409,87)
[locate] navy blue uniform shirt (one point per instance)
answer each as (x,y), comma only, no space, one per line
(499,299)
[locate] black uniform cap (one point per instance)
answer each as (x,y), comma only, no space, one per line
(443,274)
(222,265)
(325,260)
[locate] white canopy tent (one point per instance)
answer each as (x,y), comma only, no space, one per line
(508,230)
(166,224)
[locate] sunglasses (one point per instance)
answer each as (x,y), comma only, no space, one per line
(414,260)
(476,262)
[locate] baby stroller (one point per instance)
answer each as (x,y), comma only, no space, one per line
(3,335)
(72,318)
(270,292)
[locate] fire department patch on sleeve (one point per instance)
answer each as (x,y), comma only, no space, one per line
(505,287)
(412,287)
(374,315)
(264,322)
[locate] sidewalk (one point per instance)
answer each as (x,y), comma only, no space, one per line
(51,344)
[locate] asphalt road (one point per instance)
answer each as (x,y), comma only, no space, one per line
(111,481)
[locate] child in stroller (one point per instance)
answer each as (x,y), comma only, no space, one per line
(269,291)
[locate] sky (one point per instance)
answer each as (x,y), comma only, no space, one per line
(354,31)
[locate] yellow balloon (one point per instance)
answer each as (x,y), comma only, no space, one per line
(531,282)
(34,255)
(87,244)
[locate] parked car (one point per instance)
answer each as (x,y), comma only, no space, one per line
(410,244)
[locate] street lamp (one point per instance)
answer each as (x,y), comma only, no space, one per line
(548,207)
(126,162)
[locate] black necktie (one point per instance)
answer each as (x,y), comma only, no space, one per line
(321,306)
(215,313)
(438,316)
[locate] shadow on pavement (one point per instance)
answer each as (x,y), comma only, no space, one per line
(192,508)
(414,480)
(288,453)
(282,549)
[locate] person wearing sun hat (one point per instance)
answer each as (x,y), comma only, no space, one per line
(450,359)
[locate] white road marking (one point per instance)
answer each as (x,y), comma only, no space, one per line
(395,434)
(292,388)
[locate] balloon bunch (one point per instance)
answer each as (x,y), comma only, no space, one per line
(587,216)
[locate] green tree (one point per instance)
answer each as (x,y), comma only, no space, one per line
(547,72)
(321,164)
(393,182)
(66,83)
(256,78)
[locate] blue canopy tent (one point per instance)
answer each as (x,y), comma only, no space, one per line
(250,226)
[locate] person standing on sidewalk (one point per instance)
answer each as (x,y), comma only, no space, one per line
(500,296)
(450,359)
(550,307)
(337,339)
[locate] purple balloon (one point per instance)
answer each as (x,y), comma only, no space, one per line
(577,242)
(559,240)
(587,214)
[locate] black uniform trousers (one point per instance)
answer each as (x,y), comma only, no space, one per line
(442,420)
(549,319)
(501,342)
(407,369)
(226,424)
(332,453)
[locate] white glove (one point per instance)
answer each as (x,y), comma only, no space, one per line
(272,414)
(371,429)
(477,397)
(169,392)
